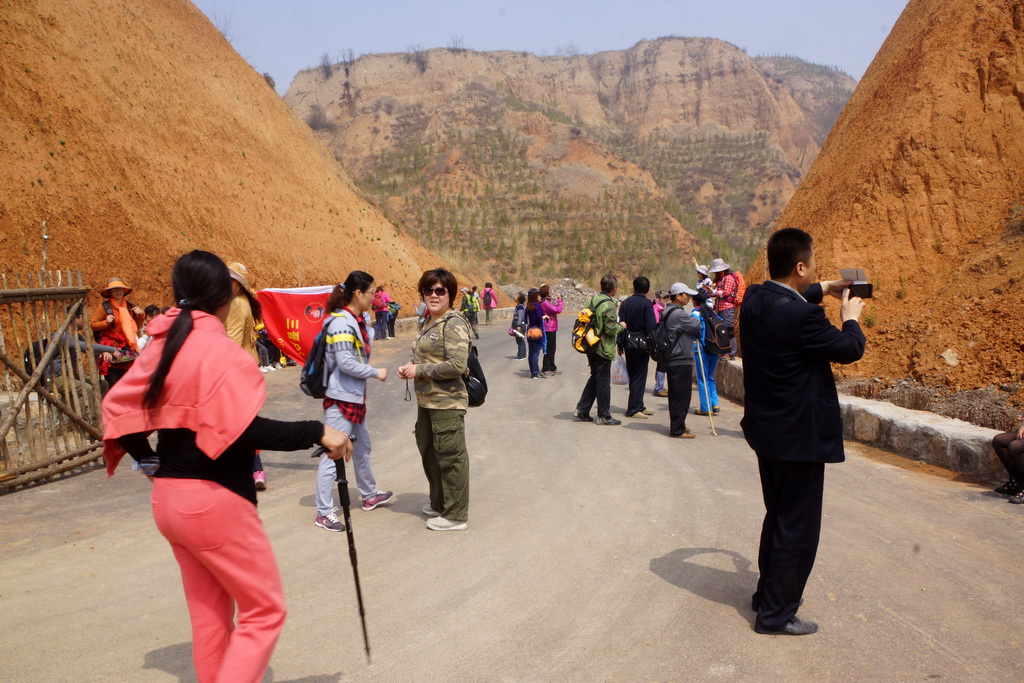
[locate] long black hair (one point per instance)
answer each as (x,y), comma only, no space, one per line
(201,282)
(341,295)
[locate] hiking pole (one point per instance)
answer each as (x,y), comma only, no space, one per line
(339,466)
(704,381)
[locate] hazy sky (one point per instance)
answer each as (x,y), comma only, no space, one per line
(282,37)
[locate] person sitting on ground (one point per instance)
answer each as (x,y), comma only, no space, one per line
(1009,448)
(681,328)
(201,394)
(348,368)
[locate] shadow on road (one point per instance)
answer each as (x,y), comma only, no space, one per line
(732,588)
(173,659)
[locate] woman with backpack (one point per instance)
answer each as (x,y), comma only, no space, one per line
(440,358)
(490,301)
(535,320)
(379,306)
(201,393)
(347,360)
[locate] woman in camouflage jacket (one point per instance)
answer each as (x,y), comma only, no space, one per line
(440,353)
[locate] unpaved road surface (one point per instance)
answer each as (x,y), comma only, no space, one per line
(592,554)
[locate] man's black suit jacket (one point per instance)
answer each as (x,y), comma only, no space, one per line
(791,407)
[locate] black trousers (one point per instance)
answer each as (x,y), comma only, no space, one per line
(549,355)
(792,494)
(636,366)
(680,387)
(598,387)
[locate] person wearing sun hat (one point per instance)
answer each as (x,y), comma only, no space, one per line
(678,369)
(241,328)
(116,323)
(724,291)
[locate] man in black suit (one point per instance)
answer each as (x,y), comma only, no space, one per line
(791,416)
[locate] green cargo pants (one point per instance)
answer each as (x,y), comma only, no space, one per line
(441,438)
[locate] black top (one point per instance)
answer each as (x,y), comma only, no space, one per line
(180,458)
(791,408)
(637,311)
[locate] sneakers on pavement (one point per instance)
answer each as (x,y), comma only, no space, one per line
(607,421)
(687,434)
(330,522)
(378,499)
(640,415)
(661,394)
(260,478)
(647,411)
(442,524)
(429,511)
(583,417)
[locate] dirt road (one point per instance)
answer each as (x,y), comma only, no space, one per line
(593,554)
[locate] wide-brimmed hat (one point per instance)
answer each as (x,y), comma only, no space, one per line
(115,282)
(239,274)
(703,270)
(717,266)
(680,288)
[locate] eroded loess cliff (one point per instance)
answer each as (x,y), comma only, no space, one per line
(921,183)
(619,142)
(137,133)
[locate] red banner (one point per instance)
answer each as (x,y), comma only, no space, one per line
(294,317)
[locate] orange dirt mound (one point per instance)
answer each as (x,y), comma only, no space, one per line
(919,183)
(138,133)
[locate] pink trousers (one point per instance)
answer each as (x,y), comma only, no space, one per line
(226,560)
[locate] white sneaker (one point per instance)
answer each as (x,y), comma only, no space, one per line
(264,369)
(272,368)
(442,524)
(430,512)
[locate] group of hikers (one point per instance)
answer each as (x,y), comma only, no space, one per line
(201,391)
(198,388)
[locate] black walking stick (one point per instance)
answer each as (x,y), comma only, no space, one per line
(343,498)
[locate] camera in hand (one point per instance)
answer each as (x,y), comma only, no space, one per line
(861,289)
(859,285)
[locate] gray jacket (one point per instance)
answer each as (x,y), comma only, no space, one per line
(348,359)
(682,327)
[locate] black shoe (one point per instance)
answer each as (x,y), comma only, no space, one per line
(1016,500)
(794,627)
(607,421)
(1010,488)
(583,417)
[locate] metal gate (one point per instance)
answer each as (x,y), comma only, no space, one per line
(50,390)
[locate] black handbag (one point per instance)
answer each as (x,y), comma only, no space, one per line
(476,383)
(635,341)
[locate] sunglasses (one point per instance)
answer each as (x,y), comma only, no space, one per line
(436,291)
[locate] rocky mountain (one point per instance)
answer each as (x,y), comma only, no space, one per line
(921,183)
(137,133)
(540,165)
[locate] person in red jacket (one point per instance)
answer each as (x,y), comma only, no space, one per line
(201,393)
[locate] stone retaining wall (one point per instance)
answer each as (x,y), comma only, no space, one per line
(916,434)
